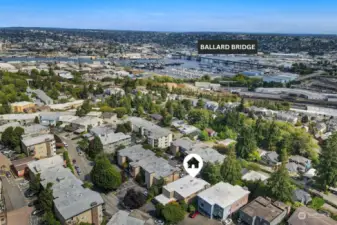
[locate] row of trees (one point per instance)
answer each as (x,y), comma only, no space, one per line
(11,137)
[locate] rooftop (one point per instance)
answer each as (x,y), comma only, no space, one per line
(209,155)
(186,186)
(113,138)
(307,216)
(23,103)
(159,166)
(29,141)
(70,198)
(229,194)
(124,218)
(35,128)
(87,120)
(156,131)
(136,153)
(255,176)
(264,208)
(43,164)
(98,131)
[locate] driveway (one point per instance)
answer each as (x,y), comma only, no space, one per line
(13,195)
(81,161)
(199,219)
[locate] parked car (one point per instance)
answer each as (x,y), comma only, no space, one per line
(32,203)
(76,167)
(8,174)
(74,161)
(65,144)
(145,193)
(29,193)
(38,212)
(227,221)
(24,182)
(324,212)
(193,215)
(80,153)
(159,222)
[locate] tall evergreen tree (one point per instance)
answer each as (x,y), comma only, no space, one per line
(246,142)
(95,147)
(231,169)
(279,184)
(211,173)
(327,167)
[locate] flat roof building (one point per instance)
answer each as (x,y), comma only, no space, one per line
(221,200)
(263,211)
(185,189)
(40,146)
(72,202)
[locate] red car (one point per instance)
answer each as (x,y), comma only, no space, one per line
(74,161)
(193,215)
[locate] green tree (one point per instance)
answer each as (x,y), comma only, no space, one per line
(36,120)
(84,92)
(140,111)
(167,120)
(83,144)
(211,173)
(200,104)
(173,213)
(121,111)
(317,203)
(199,118)
(34,184)
(50,219)
(327,167)
(6,136)
(279,184)
(203,136)
(231,169)
(95,147)
(104,175)
(46,198)
(246,143)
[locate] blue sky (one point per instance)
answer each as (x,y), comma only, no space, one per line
(280,16)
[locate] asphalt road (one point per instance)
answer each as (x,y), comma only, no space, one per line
(81,161)
(14,198)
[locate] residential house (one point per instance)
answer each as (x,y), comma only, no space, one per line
(262,211)
(20,166)
(133,154)
(100,131)
(221,200)
(130,218)
(43,96)
(227,142)
(144,161)
(208,155)
(68,105)
(109,117)
(115,91)
(211,105)
(254,176)
(181,145)
(184,189)
(307,216)
(157,136)
(112,140)
(301,196)
(287,117)
(298,164)
(73,204)
(35,129)
(20,107)
(270,158)
(40,146)
(83,123)
(23,119)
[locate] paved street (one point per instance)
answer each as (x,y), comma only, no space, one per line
(84,164)
(13,195)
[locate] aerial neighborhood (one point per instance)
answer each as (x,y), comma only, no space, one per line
(97,133)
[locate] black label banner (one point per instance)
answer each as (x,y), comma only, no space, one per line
(227,47)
